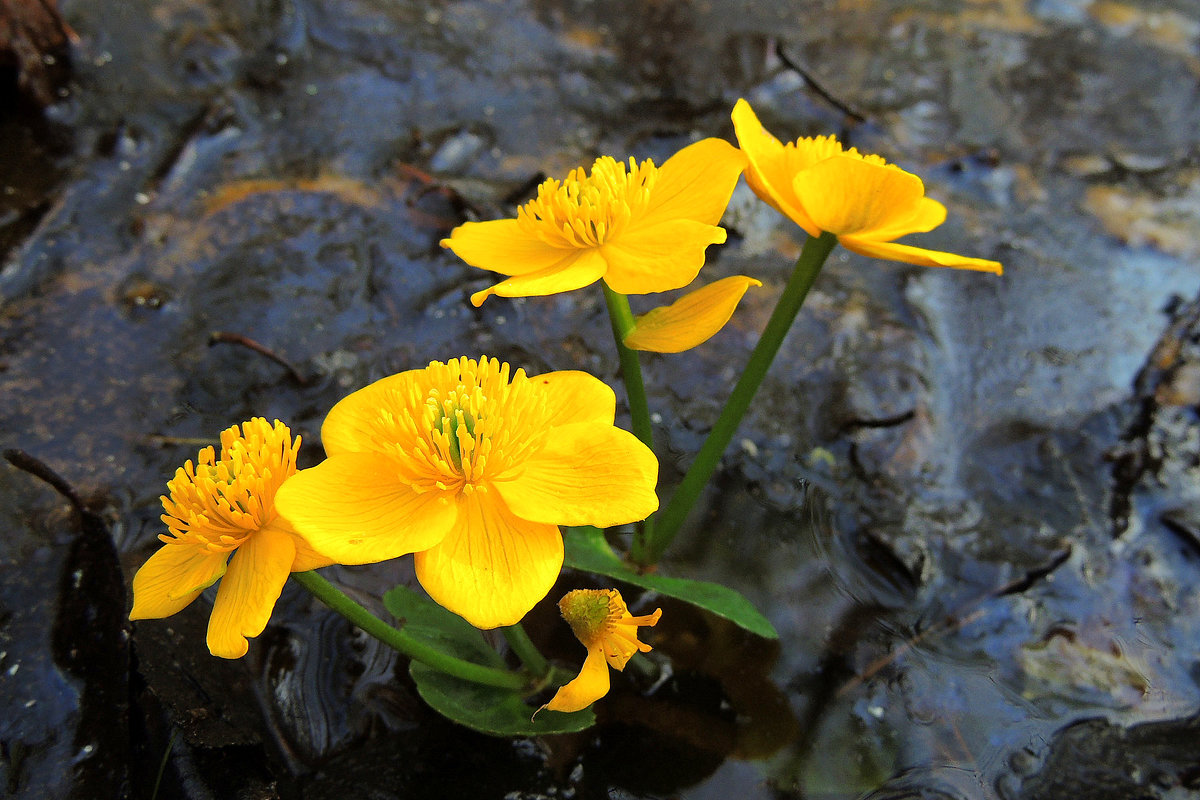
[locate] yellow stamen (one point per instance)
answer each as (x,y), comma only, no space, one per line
(215,505)
(472,424)
(586,210)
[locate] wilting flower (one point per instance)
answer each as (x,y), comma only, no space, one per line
(473,472)
(691,320)
(223,522)
(599,619)
(863,200)
(639,227)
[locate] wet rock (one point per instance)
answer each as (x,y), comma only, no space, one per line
(1161,447)
(926,448)
(1098,760)
(456,152)
(1148,219)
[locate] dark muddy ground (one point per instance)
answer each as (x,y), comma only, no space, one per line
(970,505)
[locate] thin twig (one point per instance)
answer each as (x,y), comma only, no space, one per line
(223,337)
(819,90)
(23,461)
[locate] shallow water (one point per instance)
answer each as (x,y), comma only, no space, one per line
(977,532)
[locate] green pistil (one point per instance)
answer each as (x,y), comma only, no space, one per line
(452,425)
(586,611)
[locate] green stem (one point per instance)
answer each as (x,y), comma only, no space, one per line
(635,389)
(669,519)
(404,643)
(621,317)
(526,650)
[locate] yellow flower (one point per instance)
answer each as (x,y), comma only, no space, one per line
(640,228)
(222,521)
(602,622)
(474,473)
(862,199)
(691,320)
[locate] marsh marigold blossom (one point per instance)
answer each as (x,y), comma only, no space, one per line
(863,200)
(473,470)
(602,622)
(638,227)
(222,521)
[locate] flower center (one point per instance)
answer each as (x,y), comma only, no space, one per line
(585,210)
(215,505)
(589,612)
(473,425)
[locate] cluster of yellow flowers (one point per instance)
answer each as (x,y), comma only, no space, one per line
(464,464)
(644,229)
(473,467)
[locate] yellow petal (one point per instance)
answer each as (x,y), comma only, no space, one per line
(502,246)
(573,396)
(769,170)
(926,215)
(581,268)
(690,320)
(586,688)
(353,424)
(248,591)
(695,183)
(620,640)
(172,578)
(493,567)
(306,557)
(917,255)
(354,509)
(848,195)
(658,258)
(586,474)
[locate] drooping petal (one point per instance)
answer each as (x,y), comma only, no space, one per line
(692,319)
(848,195)
(248,591)
(658,258)
(581,268)
(172,578)
(573,396)
(354,509)
(353,425)
(917,255)
(769,171)
(493,567)
(695,183)
(503,246)
(586,474)
(586,688)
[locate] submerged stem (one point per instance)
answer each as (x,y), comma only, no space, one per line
(669,519)
(404,643)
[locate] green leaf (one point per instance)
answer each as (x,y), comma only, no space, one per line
(587,551)
(499,712)
(424,619)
